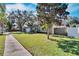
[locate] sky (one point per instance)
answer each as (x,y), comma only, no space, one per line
(21,6)
(73,8)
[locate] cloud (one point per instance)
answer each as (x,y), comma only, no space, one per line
(10,7)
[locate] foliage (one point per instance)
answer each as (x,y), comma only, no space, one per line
(2,13)
(47,12)
(73,23)
(44,26)
(9,25)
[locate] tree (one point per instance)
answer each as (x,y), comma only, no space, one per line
(9,25)
(18,17)
(2,15)
(25,16)
(2,12)
(22,17)
(47,13)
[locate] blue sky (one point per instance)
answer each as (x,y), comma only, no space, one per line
(73,8)
(25,6)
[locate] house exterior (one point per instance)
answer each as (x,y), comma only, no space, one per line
(68,31)
(60,30)
(15,26)
(35,27)
(26,29)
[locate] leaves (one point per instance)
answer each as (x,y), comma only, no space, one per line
(48,12)
(2,13)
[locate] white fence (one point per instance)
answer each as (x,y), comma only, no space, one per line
(73,31)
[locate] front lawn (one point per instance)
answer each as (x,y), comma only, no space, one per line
(39,45)
(2,41)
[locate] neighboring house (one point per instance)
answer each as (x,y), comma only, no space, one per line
(26,29)
(15,26)
(64,30)
(61,29)
(35,27)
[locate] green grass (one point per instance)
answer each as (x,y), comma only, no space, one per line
(2,40)
(39,45)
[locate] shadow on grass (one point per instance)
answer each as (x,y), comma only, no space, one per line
(53,39)
(64,36)
(71,46)
(17,32)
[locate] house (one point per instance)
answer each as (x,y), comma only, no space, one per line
(66,30)
(26,29)
(60,29)
(34,27)
(15,26)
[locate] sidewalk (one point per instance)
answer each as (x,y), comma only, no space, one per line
(14,48)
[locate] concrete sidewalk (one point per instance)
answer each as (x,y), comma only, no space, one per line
(14,48)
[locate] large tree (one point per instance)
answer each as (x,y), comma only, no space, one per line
(25,16)
(22,17)
(49,13)
(18,17)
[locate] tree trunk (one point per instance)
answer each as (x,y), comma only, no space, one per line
(48,34)
(48,31)
(20,28)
